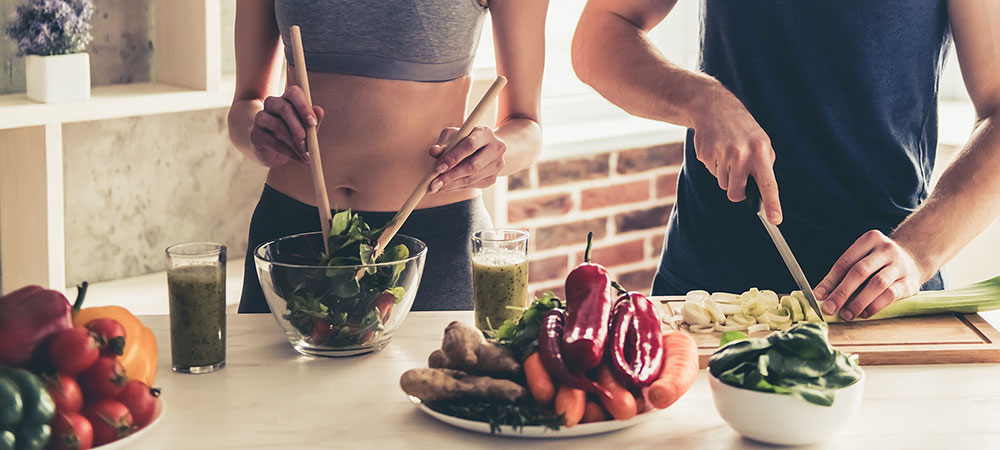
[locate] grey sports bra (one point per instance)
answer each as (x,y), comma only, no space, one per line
(418,40)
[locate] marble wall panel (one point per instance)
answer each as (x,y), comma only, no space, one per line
(137,185)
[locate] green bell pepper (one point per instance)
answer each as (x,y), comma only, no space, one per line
(26,408)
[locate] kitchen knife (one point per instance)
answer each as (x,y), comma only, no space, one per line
(753,200)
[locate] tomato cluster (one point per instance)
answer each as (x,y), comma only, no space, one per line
(96,403)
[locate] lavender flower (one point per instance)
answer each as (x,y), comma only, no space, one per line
(51,27)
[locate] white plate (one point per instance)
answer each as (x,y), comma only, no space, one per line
(130,439)
(536,432)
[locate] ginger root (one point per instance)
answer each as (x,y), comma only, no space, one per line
(465,348)
(440,384)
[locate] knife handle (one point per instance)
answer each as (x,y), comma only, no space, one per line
(753,195)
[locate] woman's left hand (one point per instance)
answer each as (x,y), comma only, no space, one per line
(474,162)
(871,274)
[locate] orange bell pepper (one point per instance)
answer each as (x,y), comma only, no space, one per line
(139,356)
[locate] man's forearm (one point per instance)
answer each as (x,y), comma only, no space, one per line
(964,202)
(608,49)
(523,138)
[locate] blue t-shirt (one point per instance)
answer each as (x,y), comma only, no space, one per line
(847,92)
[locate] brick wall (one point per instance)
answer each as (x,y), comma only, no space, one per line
(623,196)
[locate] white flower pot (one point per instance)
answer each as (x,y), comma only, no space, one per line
(58,78)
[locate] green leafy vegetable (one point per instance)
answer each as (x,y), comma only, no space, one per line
(799,362)
(498,413)
(332,307)
(729,336)
(521,336)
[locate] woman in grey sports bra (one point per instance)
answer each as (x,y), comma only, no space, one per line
(390,83)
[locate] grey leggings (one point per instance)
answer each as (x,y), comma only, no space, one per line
(446,283)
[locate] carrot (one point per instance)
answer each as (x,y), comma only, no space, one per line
(539,381)
(640,404)
(571,402)
(593,412)
(680,368)
(621,404)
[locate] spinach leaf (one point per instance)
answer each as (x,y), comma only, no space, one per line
(799,362)
(807,340)
(813,394)
(730,336)
(846,372)
(736,352)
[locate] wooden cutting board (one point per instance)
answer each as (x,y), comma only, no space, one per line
(939,339)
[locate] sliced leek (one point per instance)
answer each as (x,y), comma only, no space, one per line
(758,310)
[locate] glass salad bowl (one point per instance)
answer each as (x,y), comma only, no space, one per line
(326,309)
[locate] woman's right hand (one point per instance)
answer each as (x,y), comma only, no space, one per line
(278,134)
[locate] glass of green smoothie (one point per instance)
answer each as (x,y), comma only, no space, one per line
(196,280)
(499,276)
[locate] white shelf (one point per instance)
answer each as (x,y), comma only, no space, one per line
(186,76)
(110,102)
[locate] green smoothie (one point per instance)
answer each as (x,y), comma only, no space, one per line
(197,315)
(500,280)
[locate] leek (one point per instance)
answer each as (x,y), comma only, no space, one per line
(974,298)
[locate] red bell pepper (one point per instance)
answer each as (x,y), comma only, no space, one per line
(588,309)
(29,316)
(636,345)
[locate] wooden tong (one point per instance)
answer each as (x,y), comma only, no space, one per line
(319,184)
(312,140)
(418,193)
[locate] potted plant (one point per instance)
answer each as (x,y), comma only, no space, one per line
(52,34)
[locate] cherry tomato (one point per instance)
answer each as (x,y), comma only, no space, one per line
(384,303)
(104,380)
(74,350)
(110,420)
(322,330)
(70,431)
(110,334)
(65,392)
(140,401)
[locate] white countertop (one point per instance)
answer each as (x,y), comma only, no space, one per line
(269,396)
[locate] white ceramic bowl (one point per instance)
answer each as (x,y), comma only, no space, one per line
(784,419)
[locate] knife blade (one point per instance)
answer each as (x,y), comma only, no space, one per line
(753,200)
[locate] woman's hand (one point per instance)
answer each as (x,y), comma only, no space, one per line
(278,134)
(474,162)
(730,143)
(870,275)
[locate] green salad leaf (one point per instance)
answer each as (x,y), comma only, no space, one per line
(799,362)
(521,336)
(730,336)
(332,307)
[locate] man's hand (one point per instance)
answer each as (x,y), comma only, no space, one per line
(730,143)
(870,275)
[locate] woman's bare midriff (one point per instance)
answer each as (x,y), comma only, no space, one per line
(374,141)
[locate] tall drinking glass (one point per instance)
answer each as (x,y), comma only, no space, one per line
(499,275)
(196,279)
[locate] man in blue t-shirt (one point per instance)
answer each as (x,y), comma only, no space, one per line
(834,105)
